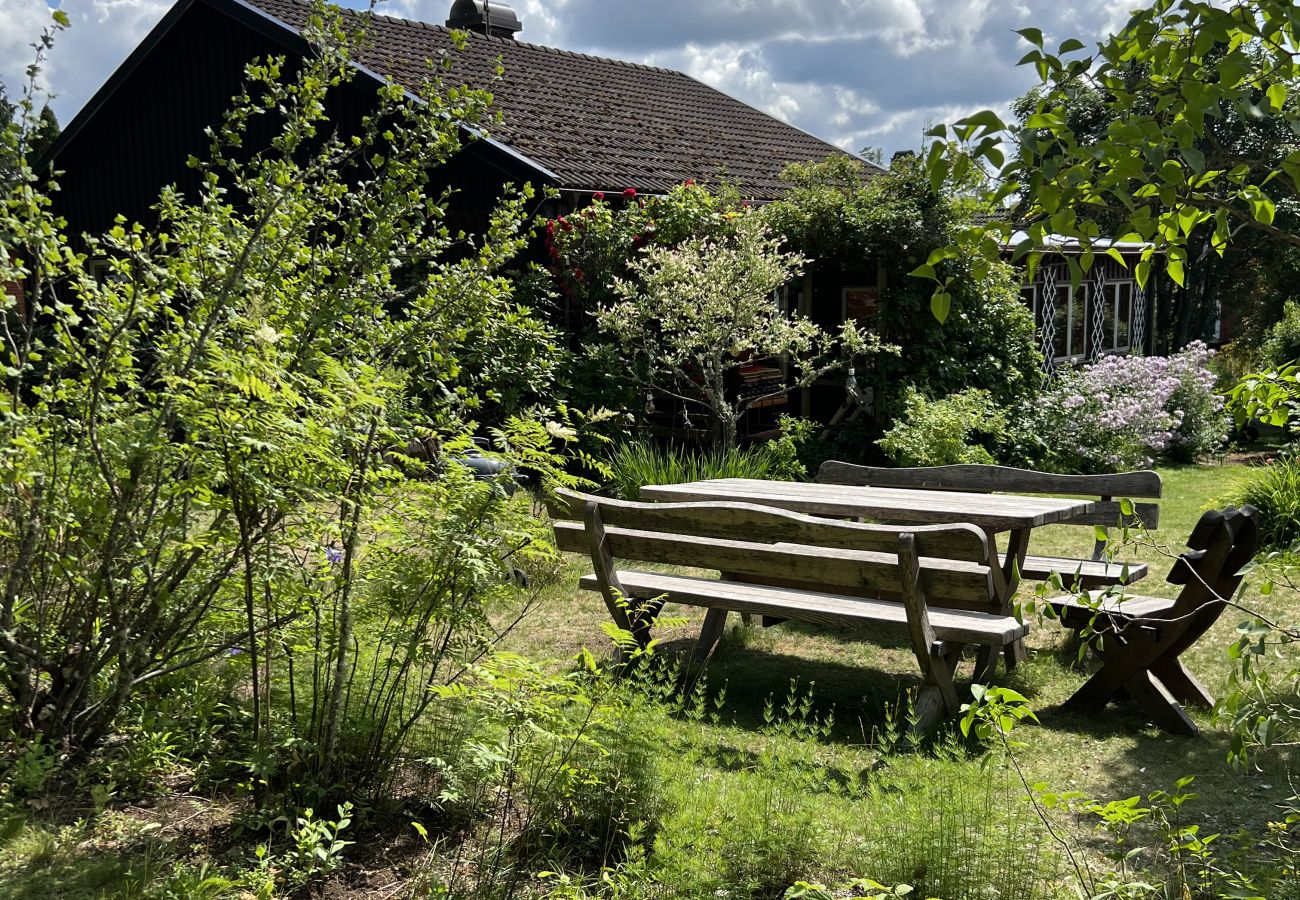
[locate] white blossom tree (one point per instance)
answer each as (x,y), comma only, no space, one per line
(690,315)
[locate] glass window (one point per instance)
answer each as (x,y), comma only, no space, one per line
(1061,322)
(1124,316)
(1110,298)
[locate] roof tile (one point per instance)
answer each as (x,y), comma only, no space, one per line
(598,124)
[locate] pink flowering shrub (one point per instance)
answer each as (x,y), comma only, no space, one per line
(1122,412)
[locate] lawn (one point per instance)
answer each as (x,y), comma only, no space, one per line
(858,678)
(786,763)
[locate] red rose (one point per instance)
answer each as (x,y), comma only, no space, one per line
(598,196)
(630,193)
(690,182)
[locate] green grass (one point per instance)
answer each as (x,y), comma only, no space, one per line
(1115,754)
(749,797)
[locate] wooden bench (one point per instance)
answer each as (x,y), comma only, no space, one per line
(1110,490)
(932,583)
(1140,639)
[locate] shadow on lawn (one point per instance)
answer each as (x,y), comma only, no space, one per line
(859,695)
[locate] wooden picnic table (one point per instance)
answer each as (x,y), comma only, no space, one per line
(994,513)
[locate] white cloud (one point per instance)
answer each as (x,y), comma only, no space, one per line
(102,34)
(854,72)
(21,24)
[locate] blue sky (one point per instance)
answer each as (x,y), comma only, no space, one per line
(858,73)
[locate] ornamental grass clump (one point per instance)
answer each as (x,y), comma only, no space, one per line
(1275,492)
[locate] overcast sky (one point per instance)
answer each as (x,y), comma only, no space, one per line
(858,73)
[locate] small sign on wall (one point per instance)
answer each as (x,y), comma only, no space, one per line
(860,304)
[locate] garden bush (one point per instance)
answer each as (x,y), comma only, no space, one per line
(204,466)
(1282,343)
(1123,412)
(837,219)
(939,432)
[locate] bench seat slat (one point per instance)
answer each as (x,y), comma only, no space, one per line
(1088,572)
(1131,606)
(1109,513)
(951,625)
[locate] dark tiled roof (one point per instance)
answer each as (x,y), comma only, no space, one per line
(598,124)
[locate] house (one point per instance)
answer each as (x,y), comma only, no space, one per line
(573,122)
(1109,313)
(577,123)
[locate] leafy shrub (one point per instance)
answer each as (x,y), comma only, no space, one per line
(635,464)
(200,451)
(938,432)
(1274,490)
(837,218)
(1122,412)
(1282,344)
(1202,423)
(850,440)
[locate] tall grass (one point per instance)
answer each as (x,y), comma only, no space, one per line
(746,814)
(638,463)
(1275,491)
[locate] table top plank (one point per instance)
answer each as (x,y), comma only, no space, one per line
(992,512)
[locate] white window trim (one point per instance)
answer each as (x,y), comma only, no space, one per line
(1075,353)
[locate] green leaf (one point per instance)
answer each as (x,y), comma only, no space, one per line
(1033,35)
(1277,95)
(986,119)
(941,305)
(1043,120)
(1262,207)
(1070,45)
(1175,269)
(61,18)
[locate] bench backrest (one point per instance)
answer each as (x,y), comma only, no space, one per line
(765,545)
(1222,543)
(983,479)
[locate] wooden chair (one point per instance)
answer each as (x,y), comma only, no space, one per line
(1088,573)
(932,583)
(1140,639)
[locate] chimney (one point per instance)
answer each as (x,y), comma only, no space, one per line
(484,16)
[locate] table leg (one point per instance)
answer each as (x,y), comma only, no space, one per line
(715,623)
(1017,550)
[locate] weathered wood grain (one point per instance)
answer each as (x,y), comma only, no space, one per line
(956,582)
(991,512)
(950,625)
(1086,573)
(981,479)
(1140,654)
(765,524)
(991,478)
